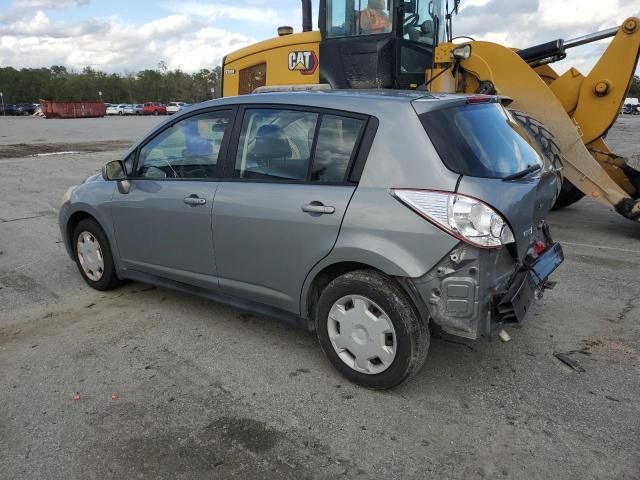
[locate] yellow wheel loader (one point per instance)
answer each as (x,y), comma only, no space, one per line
(408,44)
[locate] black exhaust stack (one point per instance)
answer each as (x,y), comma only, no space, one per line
(307,22)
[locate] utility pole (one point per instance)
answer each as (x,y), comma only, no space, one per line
(4,113)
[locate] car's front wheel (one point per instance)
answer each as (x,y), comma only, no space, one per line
(93,256)
(369,330)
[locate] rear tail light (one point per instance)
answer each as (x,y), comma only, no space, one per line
(464,217)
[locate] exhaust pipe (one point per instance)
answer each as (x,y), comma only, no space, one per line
(307,22)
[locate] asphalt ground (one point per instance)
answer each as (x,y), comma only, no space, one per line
(173,386)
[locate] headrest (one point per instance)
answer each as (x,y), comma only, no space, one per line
(270,144)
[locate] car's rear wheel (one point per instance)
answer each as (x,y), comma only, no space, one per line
(369,330)
(93,256)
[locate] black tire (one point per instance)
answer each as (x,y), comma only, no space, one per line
(569,195)
(109,279)
(547,145)
(412,332)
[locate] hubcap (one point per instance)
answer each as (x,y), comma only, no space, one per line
(362,334)
(90,256)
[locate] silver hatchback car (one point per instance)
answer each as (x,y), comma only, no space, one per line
(366,216)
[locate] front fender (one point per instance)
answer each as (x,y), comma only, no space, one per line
(93,199)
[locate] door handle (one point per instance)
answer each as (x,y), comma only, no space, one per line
(194,201)
(319,208)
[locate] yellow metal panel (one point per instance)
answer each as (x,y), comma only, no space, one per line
(612,163)
(514,78)
(277,54)
(276,42)
(442,53)
(547,73)
(603,91)
(567,89)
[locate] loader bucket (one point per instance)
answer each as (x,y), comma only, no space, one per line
(577,109)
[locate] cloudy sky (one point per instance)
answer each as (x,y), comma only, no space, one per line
(128,35)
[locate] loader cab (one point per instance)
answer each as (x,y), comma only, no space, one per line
(379,43)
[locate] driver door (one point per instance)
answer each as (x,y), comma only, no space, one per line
(163,224)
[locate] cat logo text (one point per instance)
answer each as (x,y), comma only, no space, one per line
(304,62)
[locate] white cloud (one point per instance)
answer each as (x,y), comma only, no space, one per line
(253,14)
(49,4)
(190,36)
(114,45)
(525,23)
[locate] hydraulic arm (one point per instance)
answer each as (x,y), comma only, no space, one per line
(577,109)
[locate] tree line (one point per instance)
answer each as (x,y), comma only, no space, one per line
(29,85)
(634,91)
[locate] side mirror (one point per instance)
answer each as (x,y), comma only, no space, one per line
(115,171)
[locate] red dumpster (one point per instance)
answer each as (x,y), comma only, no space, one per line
(72,109)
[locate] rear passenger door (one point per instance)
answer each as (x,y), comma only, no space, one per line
(279,208)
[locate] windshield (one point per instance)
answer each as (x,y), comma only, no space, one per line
(424,21)
(480,141)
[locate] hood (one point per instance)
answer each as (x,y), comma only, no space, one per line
(96,177)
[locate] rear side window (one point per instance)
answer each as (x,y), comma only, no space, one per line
(480,140)
(275,144)
(294,145)
(337,140)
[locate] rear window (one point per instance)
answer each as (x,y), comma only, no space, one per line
(480,140)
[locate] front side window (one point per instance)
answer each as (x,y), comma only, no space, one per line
(349,18)
(188,149)
(275,144)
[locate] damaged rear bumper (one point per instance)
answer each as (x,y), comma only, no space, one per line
(515,302)
(472,292)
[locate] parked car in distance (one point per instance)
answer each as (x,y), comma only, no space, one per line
(135,109)
(175,107)
(305,206)
(7,109)
(154,108)
(25,109)
(21,109)
(116,109)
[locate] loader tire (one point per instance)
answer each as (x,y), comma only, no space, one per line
(547,145)
(569,195)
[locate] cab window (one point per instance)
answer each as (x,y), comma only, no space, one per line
(349,18)
(421,19)
(188,149)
